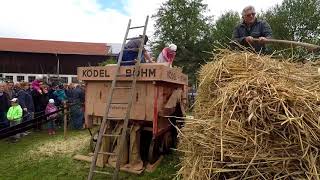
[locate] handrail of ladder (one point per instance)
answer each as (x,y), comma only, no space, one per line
(103,123)
(133,90)
(126,119)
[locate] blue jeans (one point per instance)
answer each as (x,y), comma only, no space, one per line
(130,56)
(13,123)
(51,125)
(76,116)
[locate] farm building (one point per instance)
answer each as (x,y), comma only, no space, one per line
(23,59)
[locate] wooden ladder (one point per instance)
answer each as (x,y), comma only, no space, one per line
(106,118)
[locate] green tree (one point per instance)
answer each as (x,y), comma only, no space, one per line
(297,20)
(109,60)
(223,28)
(183,23)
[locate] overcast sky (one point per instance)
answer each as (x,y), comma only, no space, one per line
(92,20)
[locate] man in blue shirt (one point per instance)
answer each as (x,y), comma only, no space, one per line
(250,28)
(131,50)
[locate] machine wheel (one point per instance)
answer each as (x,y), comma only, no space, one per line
(167,142)
(154,152)
(93,140)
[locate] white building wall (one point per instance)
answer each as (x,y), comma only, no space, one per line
(30,77)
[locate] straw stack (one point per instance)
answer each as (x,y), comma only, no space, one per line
(255,118)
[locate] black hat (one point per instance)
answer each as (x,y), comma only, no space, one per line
(145,39)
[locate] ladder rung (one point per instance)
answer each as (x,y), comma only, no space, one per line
(129,61)
(132,49)
(115,118)
(122,87)
(119,103)
(134,38)
(136,27)
(102,172)
(148,128)
(122,75)
(110,135)
(107,153)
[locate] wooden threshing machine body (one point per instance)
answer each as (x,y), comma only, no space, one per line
(155,86)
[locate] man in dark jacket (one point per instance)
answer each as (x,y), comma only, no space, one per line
(40,99)
(77,97)
(10,90)
(251,28)
(132,50)
(4,107)
(25,100)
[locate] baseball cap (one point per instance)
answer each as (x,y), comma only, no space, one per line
(14,100)
(51,101)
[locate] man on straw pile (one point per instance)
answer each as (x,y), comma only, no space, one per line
(251,28)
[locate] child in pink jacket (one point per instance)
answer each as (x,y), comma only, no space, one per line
(49,109)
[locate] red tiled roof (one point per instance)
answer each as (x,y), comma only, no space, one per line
(55,47)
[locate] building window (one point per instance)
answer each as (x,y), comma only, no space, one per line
(45,79)
(74,80)
(64,79)
(9,78)
(20,78)
(31,78)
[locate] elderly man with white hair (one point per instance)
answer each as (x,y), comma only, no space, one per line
(250,28)
(167,55)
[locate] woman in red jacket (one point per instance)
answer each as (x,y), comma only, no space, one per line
(50,109)
(167,55)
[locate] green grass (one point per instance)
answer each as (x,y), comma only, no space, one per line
(42,157)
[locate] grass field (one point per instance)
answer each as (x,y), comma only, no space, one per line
(42,157)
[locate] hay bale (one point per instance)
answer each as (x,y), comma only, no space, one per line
(256,118)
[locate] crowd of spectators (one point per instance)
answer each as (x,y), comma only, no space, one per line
(25,101)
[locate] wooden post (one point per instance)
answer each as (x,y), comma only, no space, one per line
(65,120)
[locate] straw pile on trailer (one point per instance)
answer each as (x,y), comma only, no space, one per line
(255,118)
